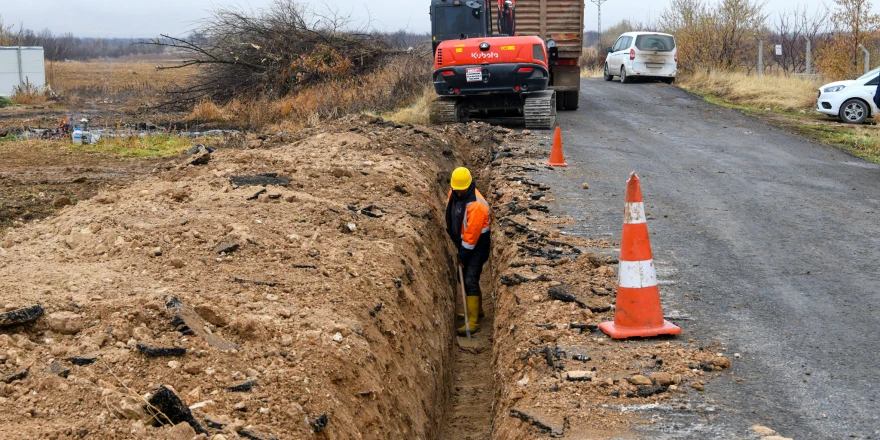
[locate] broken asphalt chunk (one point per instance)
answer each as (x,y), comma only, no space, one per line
(161,351)
(320,423)
(707,366)
(83,360)
(256,195)
(649,390)
(562,295)
(554,425)
(167,409)
(580,376)
(242,387)
(215,423)
(226,246)
(21,316)
(580,357)
(11,377)
(252,435)
(516,279)
(259,180)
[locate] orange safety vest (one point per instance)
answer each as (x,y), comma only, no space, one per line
(476,220)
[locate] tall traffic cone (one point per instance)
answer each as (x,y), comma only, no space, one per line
(557,159)
(638,311)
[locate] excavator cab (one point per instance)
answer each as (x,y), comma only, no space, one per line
(458,20)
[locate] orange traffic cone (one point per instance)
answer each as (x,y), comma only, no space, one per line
(638,311)
(556,157)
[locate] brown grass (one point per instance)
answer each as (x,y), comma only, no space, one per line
(592,72)
(206,111)
(777,92)
(389,90)
(28,94)
(417,113)
(114,79)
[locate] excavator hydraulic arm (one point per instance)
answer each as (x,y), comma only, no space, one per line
(507,17)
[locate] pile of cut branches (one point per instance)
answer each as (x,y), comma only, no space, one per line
(271,53)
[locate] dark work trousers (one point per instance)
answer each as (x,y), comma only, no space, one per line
(473,268)
(472,274)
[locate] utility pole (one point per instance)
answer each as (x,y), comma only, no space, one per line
(760,55)
(599,17)
(867,58)
(809,56)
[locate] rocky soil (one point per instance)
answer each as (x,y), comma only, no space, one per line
(314,297)
(556,374)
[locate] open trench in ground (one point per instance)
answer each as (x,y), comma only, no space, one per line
(322,305)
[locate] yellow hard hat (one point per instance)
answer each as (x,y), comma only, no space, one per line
(461,179)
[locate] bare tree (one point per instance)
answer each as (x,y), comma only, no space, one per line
(791,29)
(715,36)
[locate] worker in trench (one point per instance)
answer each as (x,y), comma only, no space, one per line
(467,223)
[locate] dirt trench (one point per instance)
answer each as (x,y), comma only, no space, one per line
(321,309)
(322,305)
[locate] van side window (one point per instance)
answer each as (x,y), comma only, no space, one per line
(874,81)
(618,45)
(627,43)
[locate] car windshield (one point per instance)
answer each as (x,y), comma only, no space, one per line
(662,43)
(870,74)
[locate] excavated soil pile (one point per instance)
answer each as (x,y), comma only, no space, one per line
(556,373)
(323,306)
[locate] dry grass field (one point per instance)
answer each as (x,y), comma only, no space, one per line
(777,92)
(115,80)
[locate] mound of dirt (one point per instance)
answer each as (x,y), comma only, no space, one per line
(323,305)
(556,374)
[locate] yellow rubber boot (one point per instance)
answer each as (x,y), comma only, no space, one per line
(480,315)
(473,309)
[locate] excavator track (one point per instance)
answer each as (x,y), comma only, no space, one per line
(445,110)
(539,110)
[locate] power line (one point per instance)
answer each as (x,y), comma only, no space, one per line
(599,17)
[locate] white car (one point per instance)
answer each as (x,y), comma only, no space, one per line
(852,101)
(642,54)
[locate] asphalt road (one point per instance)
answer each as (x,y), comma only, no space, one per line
(764,241)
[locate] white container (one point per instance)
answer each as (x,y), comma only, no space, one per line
(20,65)
(77,137)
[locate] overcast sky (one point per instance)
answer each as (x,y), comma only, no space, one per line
(148,18)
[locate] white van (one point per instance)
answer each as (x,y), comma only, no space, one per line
(642,54)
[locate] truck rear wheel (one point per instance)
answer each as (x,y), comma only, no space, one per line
(567,100)
(571,99)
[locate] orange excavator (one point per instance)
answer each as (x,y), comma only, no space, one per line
(481,74)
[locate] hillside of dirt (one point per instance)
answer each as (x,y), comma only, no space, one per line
(300,289)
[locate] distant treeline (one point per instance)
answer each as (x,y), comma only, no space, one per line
(68,47)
